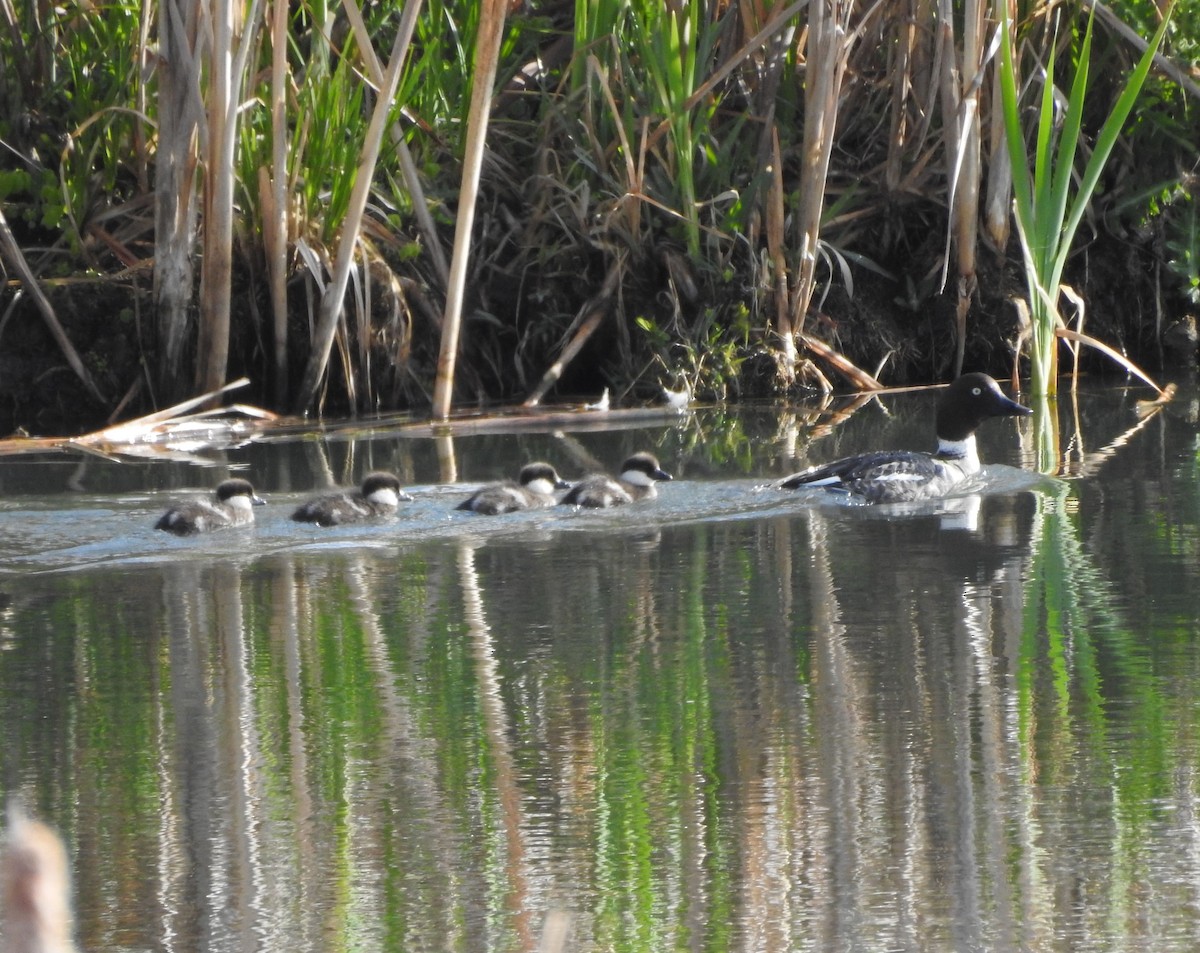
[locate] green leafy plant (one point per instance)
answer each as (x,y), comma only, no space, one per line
(1049,203)
(707,357)
(1183,244)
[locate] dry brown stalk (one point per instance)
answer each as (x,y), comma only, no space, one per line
(273,191)
(633,173)
(335,291)
(997,215)
(408,168)
(227,60)
(827,52)
(175,209)
(590,317)
(960,82)
(487,52)
(830,41)
(12,251)
(775,248)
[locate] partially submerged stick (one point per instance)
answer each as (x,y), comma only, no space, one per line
(152,428)
(854,374)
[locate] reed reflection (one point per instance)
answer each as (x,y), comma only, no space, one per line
(497,730)
(816,729)
(906,709)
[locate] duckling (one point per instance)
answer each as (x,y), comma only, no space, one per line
(533,488)
(379,496)
(637,482)
(233,506)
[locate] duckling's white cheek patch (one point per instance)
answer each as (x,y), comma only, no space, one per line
(637,478)
(384,498)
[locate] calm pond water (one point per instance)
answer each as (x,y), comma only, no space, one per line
(729,719)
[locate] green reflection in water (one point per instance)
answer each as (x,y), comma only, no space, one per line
(1110,739)
(801,732)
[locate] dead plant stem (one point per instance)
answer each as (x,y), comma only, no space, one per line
(487,53)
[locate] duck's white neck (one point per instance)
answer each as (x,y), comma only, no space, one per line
(962,452)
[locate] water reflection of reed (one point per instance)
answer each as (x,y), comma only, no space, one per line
(497,729)
(404,769)
(909,701)
(809,731)
(879,792)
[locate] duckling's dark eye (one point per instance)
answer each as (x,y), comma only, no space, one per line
(976,391)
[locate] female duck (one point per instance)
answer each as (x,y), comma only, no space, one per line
(902,476)
(637,482)
(533,488)
(233,506)
(379,496)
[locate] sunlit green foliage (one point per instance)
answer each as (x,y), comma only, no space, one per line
(621,128)
(1049,203)
(70,87)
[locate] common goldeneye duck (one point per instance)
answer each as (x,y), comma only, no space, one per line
(534,487)
(638,475)
(902,476)
(233,506)
(379,495)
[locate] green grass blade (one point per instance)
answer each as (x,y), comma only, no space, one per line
(1107,139)
(1068,144)
(1043,154)
(1018,159)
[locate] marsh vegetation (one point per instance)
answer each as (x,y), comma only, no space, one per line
(746,197)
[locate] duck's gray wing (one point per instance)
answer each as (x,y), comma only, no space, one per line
(883,477)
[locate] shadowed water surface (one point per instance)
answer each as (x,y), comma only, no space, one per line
(729,719)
